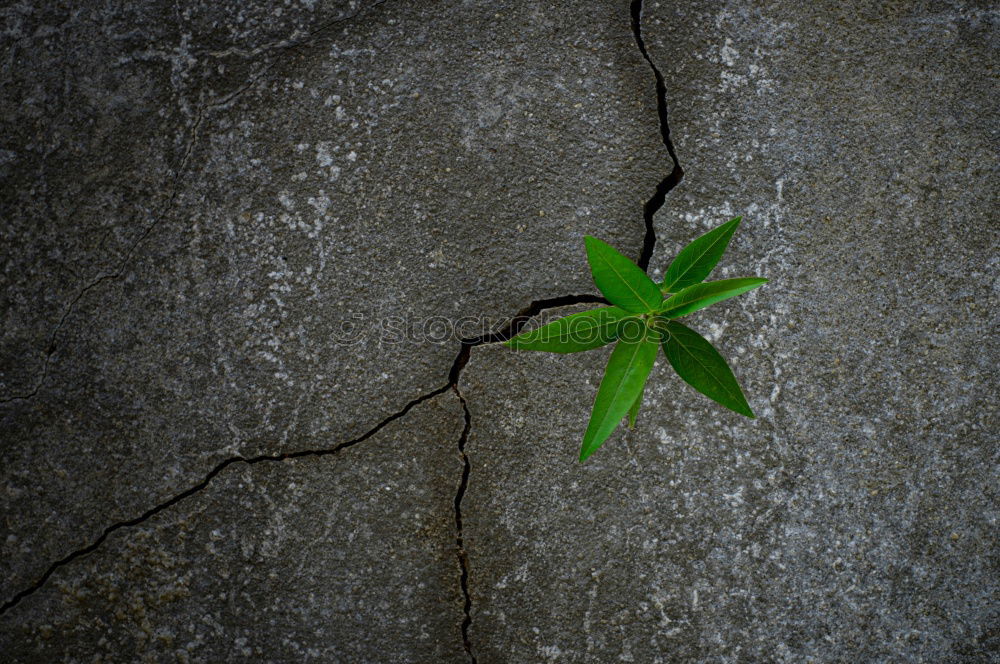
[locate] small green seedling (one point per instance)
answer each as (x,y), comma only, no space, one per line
(642,319)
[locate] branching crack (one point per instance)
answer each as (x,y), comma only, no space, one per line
(673,178)
(507,330)
(504,332)
(514,325)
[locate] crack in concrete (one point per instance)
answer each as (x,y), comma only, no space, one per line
(649,210)
(514,325)
(509,329)
(505,332)
(676,174)
(51,347)
(463,558)
(206,480)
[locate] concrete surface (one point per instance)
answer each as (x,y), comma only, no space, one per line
(857,518)
(346,557)
(209,210)
(409,162)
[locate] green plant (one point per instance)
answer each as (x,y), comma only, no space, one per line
(643,319)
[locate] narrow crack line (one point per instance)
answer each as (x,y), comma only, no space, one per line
(672,179)
(222,465)
(51,346)
(514,325)
(504,332)
(517,322)
(463,557)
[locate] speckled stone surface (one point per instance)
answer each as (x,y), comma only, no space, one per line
(857,518)
(342,558)
(101,108)
(211,212)
(215,271)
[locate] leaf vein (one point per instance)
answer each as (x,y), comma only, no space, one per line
(721,383)
(626,282)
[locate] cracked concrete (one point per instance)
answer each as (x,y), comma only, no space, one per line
(365,537)
(197,196)
(406,163)
(856,518)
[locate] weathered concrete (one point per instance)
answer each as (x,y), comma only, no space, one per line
(856,519)
(99,112)
(342,558)
(421,159)
(195,196)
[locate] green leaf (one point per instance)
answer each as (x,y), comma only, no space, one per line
(633,412)
(700,296)
(700,365)
(582,331)
(622,281)
(623,381)
(697,259)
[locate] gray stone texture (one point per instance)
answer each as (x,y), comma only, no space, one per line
(207,210)
(421,159)
(342,558)
(856,519)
